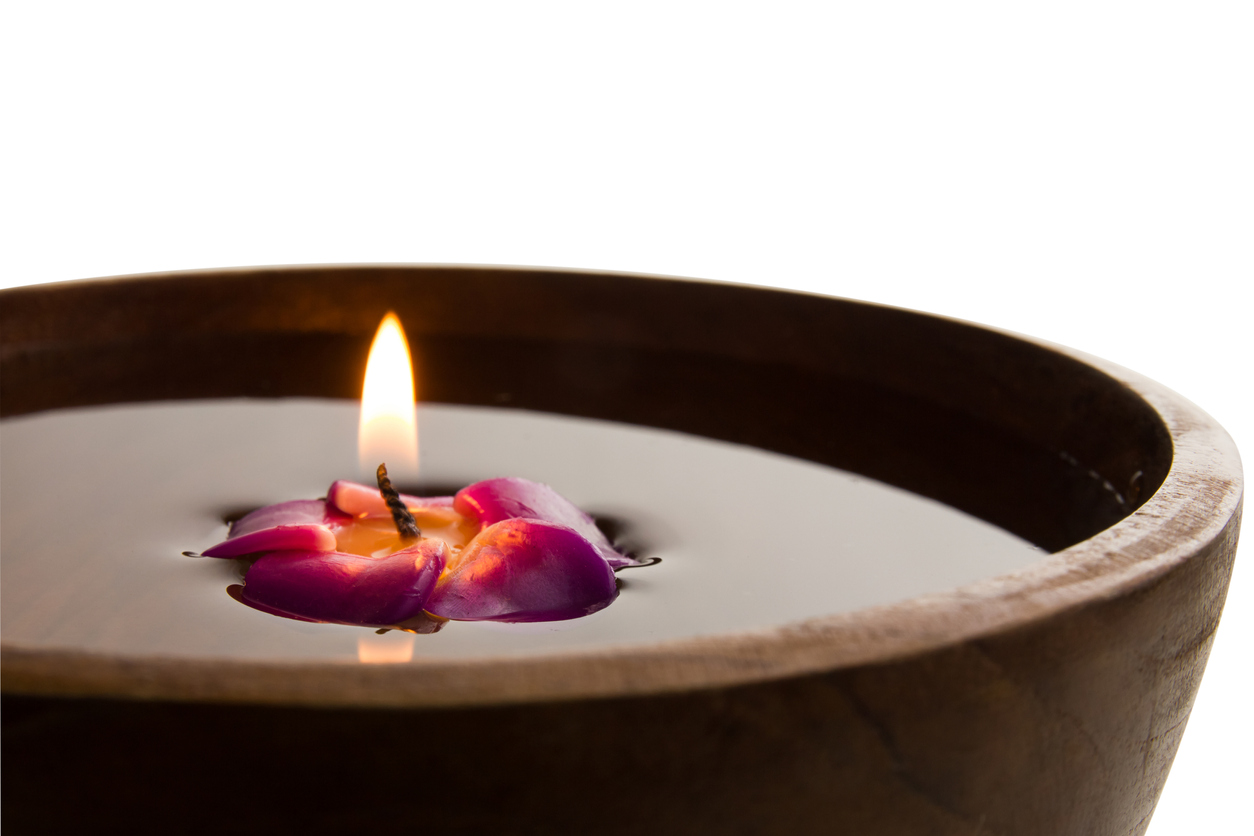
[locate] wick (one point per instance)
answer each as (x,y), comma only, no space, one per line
(404,520)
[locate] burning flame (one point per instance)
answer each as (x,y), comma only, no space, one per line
(390,648)
(388,431)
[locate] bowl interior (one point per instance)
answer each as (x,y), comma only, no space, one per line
(1024,437)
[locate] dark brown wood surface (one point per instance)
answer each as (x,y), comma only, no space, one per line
(1049,701)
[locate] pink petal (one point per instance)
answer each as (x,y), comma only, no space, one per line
(507,498)
(346,588)
(296,512)
(236,591)
(358,500)
(310,537)
(524,570)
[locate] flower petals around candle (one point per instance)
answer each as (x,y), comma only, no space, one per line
(236,591)
(524,570)
(296,512)
(358,500)
(313,538)
(346,588)
(494,500)
(301,524)
(529,555)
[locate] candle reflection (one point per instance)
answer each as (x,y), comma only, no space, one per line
(388,648)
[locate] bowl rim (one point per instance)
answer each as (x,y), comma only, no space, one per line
(1189,514)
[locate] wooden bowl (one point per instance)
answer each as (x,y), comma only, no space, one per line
(1046,701)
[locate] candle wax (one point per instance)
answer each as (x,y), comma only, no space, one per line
(377,536)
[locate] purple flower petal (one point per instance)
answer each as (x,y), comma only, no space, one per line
(346,588)
(524,570)
(358,500)
(236,591)
(309,537)
(296,512)
(494,500)
(300,525)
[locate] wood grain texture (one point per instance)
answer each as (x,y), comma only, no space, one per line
(1048,701)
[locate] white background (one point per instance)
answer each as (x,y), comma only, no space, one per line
(1078,171)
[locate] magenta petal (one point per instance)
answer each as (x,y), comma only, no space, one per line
(524,570)
(311,537)
(346,588)
(236,591)
(509,498)
(357,500)
(299,525)
(296,512)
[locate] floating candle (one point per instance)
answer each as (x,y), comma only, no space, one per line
(500,550)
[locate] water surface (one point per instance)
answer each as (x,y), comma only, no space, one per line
(98,503)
